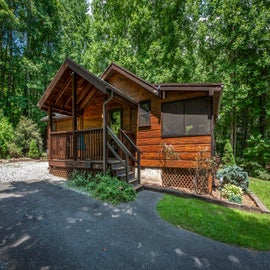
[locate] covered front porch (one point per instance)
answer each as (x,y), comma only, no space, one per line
(88,142)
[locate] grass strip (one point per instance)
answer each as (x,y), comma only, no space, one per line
(223,224)
(262,189)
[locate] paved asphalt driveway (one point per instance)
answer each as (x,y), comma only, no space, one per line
(44,226)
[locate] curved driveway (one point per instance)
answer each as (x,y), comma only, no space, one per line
(44,226)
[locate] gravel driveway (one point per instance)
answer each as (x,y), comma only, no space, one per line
(25,171)
(45,226)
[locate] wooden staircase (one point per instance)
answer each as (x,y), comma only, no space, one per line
(119,171)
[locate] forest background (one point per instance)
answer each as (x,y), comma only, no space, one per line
(161,41)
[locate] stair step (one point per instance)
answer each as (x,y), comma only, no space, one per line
(138,187)
(123,175)
(133,181)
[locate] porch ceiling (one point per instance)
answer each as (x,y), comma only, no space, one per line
(58,95)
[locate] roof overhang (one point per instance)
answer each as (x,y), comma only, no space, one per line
(212,89)
(58,95)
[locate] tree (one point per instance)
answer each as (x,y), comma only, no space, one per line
(33,150)
(25,132)
(6,135)
(228,157)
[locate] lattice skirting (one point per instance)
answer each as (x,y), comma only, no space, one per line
(182,178)
(67,172)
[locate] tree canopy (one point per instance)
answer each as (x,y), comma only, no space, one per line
(224,41)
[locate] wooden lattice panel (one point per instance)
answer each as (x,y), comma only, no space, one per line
(67,172)
(177,177)
(182,178)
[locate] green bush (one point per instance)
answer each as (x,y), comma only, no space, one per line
(233,193)
(80,179)
(263,174)
(14,151)
(228,157)
(112,190)
(258,149)
(33,150)
(103,187)
(234,175)
(250,166)
(25,132)
(6,135)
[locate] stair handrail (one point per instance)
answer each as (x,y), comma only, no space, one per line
(130,141)
(127,153)
(137,150)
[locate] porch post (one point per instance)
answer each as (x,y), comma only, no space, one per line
(105,157)
(50,122)
(105,134)
(74,115)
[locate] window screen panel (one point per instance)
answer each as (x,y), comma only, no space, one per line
(172,119)
(197,116)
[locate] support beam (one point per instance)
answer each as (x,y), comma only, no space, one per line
(74,115)
(105,134)
(50,129)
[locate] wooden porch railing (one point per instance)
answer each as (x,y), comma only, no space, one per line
(89,145)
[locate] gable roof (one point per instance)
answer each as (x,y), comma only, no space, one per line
(213,89)
(58,94)
(113,68)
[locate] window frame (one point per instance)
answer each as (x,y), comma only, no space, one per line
(142,112)
(184,122)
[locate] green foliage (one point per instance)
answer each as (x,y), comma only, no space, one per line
(217,222)
(254,169)
(14,151)
(161,41)
(33,150)
(25,132)
(6,135)
(233,193)
(228,157)
(258,149)
(263,174)
(80,179)
(103,187)
(234,175)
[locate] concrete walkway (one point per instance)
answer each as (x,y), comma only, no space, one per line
(44,226)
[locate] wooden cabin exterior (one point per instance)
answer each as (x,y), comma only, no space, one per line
(120,122)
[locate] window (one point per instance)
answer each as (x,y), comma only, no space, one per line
(186,117)
(144,113)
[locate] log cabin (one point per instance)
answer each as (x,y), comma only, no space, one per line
(143,133)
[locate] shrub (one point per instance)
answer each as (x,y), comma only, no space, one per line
(80,179)
(26,131)
(252,167)
(234,175)
(103,187)
(33,150)
(112,190)
(228,157)
(263,174)
(6,135)
(233,193)
(14,151)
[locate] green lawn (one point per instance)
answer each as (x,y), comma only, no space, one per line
(262,189)
(220,223)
